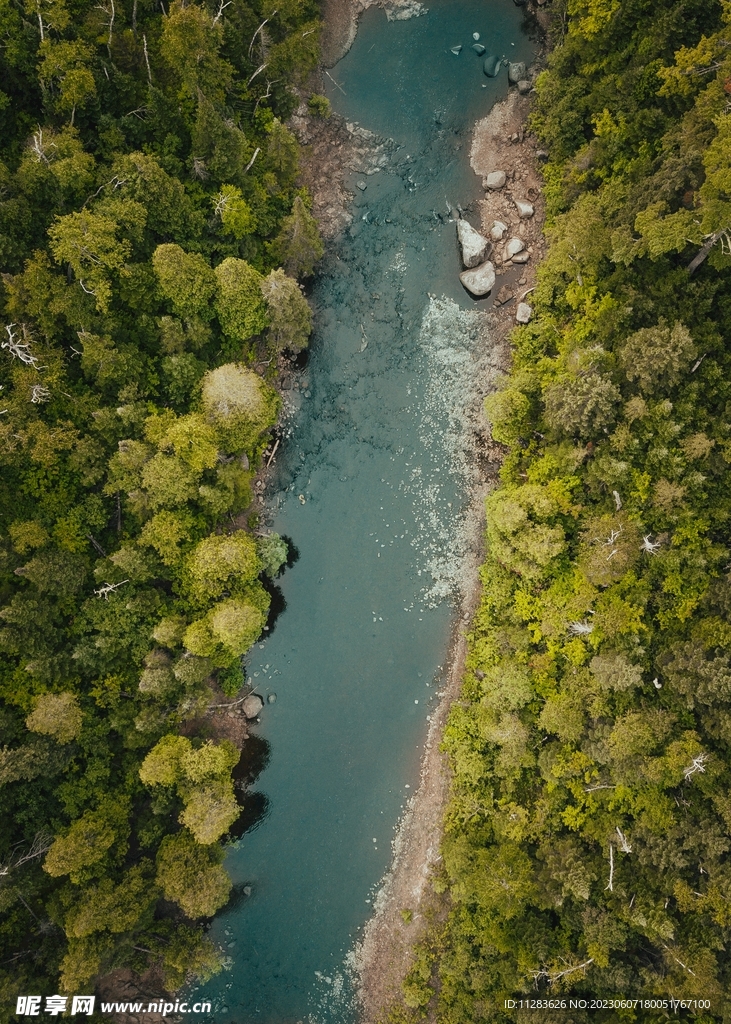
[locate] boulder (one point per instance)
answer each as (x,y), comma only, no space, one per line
(478,48)
(521,257)
(494,180)
(542,155)
(513,247)
(498,231)
(252,705)
(479,281)
(523,313)
(516,72)
(524,86)
(491,66)
(456,50)
(475,247)
(525,209)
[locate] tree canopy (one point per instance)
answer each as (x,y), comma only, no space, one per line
(147,179)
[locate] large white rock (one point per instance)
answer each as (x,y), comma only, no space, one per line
(479,281)
(252,705)
(495,180)
(523,313)
(498,231)
(525,209)
(475,247)
(513,247)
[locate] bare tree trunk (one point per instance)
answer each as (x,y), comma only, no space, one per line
(703,252)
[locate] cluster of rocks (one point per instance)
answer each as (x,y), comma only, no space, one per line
(517,71)
(505,249)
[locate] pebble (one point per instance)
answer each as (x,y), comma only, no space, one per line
(475,36)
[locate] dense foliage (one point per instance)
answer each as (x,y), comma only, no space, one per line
(151,234)
(587,843)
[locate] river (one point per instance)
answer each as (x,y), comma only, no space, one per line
(372,485)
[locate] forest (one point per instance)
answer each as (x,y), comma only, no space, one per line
(587,839)
(153,241)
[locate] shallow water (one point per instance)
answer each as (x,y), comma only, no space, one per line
(372,486)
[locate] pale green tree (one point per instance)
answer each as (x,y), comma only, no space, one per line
(57,715)
(288,312)
(240,405)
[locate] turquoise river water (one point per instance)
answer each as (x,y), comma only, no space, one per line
(372,484)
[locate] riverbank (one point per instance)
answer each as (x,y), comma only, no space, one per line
(406,903)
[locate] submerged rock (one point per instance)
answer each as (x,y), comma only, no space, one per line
(523,313)
(475,36)
(456,50)
(491,66)
(252,705)
(495,180)
(272,698)
(475,247)
(525,209)
(479,281)
(513,247)
(498,231)
(478,48)
(516,72)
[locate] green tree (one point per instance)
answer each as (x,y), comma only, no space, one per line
(185,279)
(192,876)
(298,246)
(239,304)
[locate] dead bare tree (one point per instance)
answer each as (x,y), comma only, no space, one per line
(698,764)
(108,588)
(251,44)
(553,976)
(19,349)
(221,8)
(41,844)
